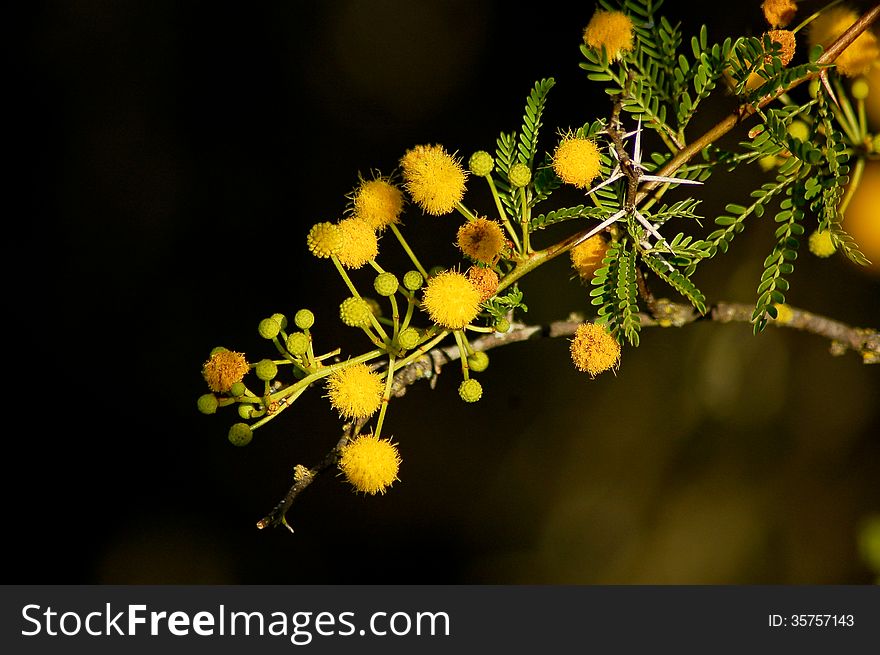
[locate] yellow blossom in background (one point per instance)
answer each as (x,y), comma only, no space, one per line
(481,239)
(576,161)
(355,391)
(485,280)
(359,243)
(223,369)
(821,244)
(860,55)
(378,203)
(779,13)
(434,179)
(784,314)
(369,463)
(611,29)
(586,257)
(594,350)
(451,300)
(861,219)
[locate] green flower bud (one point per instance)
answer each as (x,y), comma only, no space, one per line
(408,338)
(478,362)
(246,411)
(481,163)
(799,130)
(519,175)
(304,319)
(435,270)
(207,403)
(860,89)
(470,390)
(240,434)
(282,320)
(502,325)
(386,284)
(266,369)
(413,280)
(298,343)
(237,389)
(269,328)
(355,312)
(217,349)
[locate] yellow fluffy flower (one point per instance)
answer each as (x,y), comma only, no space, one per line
(611,29)
(576,161)
(369,463)
(359,243)
(594,350)
(451,300)
(481,239)
(586,257)
(821,244)
(434,179)
(485,280)
(355,391)
(378,202)
(223,369)
(784,314)
(859,55)
(779,13)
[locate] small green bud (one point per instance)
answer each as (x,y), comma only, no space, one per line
(799,130)
(435,270)
(240,434)
(386,284)
(519,175)
(478,362)
(502,325)
(408,338)
(304,319)
(246,411)
(207,403)
(269,328)
(298,343)
(813,88)
(217,349)
(237,389)
(413,280)
(282,320)
(266,369)
(481,163)
(355,312)
(470,390)
(860,89)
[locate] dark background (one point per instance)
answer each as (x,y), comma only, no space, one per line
(176,154)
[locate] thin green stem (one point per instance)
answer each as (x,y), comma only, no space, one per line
(386,397)
(503,214)
(462,353)
(854,181)
(322,373)
(421,350)
(464,211)
(354,291)
(409,252)
(527,248)
(809,19)
(395,316)
(410,305)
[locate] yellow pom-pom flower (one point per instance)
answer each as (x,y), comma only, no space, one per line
(586,257)
(481,239)
(223,369)
(355,391)
(576,161)
(378,203)
(612,30)
(485,280)
(594,350)
(860,55)
(784,313)
(369,463)
(779,13)
(324,240)
(451,300)
(821,244)
(434,179)
(359,243)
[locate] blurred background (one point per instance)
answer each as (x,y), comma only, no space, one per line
(177,154)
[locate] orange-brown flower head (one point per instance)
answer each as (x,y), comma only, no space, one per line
(611,29)
(586,257)
(786,41)
(355,391)
(485,280)
(359,242)
(434,179)
(369,463)
(378,202)
(223,369)
(594,350)
(481,239)
(451,300)
(860,55)
(576,161)
(779,13)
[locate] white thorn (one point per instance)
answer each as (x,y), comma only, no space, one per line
(601,226)
(671,180)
